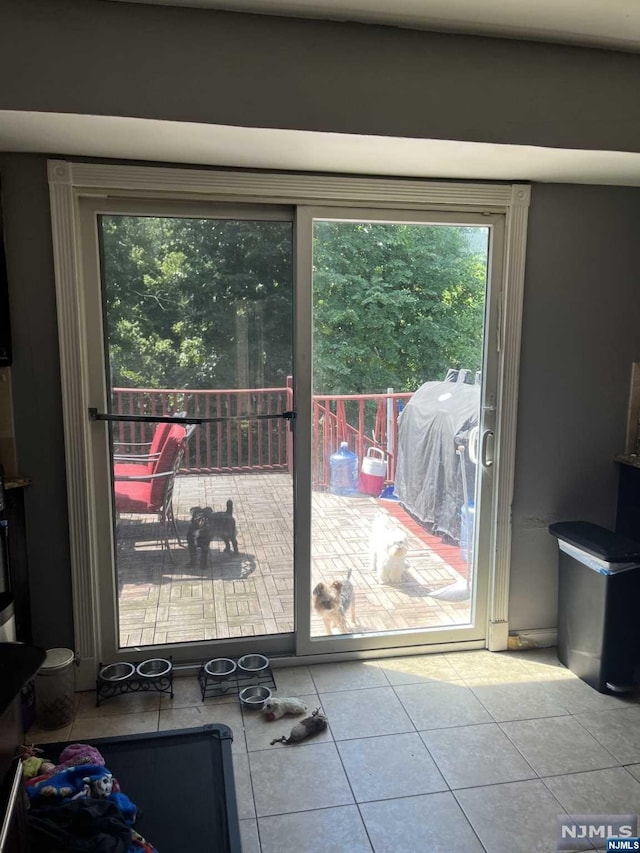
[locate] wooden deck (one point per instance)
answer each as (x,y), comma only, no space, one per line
(163,599)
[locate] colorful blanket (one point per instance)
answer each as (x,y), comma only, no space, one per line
(72,806)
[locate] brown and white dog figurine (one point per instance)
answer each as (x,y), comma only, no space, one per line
(333,601)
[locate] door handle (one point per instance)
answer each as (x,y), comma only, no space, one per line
(485,461)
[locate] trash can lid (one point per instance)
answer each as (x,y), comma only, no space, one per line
(597,541)
(57,659)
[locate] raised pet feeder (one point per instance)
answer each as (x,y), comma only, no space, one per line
(222,676)
(115,679)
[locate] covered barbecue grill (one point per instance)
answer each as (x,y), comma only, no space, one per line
(437,419)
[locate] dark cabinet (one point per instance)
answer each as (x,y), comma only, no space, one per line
(18,561)
(18,663)
(628,509)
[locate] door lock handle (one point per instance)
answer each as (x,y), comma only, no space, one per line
(485,460)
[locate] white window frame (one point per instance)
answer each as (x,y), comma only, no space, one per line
(70,181)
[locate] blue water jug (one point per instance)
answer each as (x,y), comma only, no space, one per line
(467,535)
(344,471)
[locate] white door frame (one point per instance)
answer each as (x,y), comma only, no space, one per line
(70,181)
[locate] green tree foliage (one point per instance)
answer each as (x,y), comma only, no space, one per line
(197,303)
(395,305)
(202,303)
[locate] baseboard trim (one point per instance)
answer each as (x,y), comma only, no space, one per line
(539,638)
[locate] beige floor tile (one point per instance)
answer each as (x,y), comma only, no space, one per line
(365,713)
(244,787)
(127,703)
(483,663)
(476,755)
(433,823)
(442,704)
(517,700)
(112,725)
(37,735)
(617,730)
(249,836)
(417,669)
(351,675)
(332,830)
(556,745)
(307,779)
(180,718)
(293,681)
(577,697)
(519,817)
(382,768)
(611,791)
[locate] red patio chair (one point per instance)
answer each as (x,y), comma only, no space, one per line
(140,463)
(152,492)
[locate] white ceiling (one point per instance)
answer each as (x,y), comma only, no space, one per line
(602,23)
(259,148)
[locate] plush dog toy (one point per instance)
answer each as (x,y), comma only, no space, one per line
(308,727)
(273,708)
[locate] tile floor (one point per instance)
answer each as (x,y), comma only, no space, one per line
(466,751)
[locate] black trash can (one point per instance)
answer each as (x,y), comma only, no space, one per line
(599,605)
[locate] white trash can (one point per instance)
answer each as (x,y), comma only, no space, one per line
(55,689)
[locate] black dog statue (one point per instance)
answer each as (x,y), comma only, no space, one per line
(206,526)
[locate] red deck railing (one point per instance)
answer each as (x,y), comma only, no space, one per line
(254,444)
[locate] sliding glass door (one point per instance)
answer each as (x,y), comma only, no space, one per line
(193,394)
(401,310)
(292,425)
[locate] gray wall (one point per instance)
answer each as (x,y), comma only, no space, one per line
(92,56)
(37,395)
(580,335)
(581,298)
(579,339)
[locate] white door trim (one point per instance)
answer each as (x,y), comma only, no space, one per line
(70,181)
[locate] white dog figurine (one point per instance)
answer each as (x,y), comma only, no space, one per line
(274,708)
(388,548)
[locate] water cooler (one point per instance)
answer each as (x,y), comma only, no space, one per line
(343,467)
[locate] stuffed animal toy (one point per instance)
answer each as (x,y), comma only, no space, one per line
(85,780)
(34,766)
(308,727)
(274,708)
(79,753)
(32,762)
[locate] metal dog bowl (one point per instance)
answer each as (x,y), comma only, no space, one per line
(254,664)
(220,667)
(154,668)
(255,696)
(117,672)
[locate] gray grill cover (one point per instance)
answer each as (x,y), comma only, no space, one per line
(438,417)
